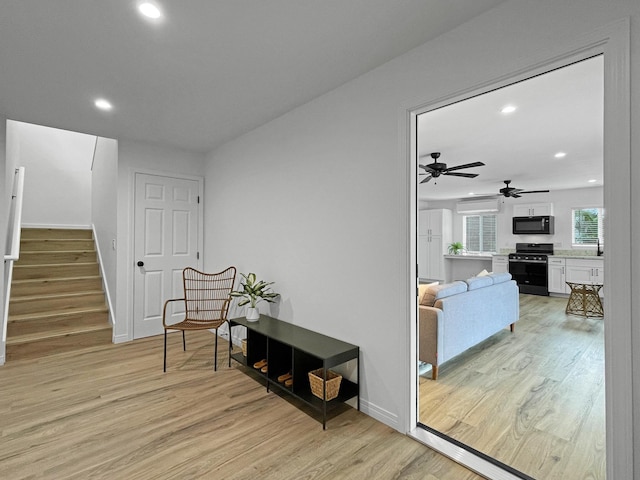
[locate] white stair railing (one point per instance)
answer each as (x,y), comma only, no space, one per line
(13,243)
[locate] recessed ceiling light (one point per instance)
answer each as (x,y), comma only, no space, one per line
(471,193)
(560,155)
(103,104)
(509,109)
(593,180)
(150,10)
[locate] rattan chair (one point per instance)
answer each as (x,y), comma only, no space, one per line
(206,303)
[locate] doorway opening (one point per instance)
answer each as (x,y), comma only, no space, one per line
(511,398)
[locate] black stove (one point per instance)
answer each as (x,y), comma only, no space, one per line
(528,267)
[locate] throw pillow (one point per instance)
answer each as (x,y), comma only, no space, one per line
(483,273)
(422,289)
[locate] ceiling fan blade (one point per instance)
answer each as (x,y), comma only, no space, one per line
(427,168)
(427,179)
(515,195)
(466,165)
(534,191)
(456,174)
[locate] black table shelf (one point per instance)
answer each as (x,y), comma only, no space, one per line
(290,348)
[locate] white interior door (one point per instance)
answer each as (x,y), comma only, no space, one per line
(166,229)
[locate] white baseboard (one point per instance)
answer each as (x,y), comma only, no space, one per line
(2,360)
(121,338)
(388,418)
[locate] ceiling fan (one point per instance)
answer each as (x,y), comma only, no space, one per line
(435,169)
(516,192)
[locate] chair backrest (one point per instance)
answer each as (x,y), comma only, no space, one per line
(207,295)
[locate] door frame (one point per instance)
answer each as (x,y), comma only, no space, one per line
(613,41)
(129,257)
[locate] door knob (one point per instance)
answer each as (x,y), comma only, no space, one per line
(141,264)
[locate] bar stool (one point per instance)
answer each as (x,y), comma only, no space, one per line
(584,300)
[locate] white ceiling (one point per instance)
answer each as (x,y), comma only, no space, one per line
(559,111)
(211,71)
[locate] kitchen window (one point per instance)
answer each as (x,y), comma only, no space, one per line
(587,226)
(480,233)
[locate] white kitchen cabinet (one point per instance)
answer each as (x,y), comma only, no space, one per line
(532,209)
(435,222)
(557,276)
(434,237)
(500,263)
(585,271)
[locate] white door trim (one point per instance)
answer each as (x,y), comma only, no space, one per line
(130,240)
(613,41)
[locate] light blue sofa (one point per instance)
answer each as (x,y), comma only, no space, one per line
(456,316)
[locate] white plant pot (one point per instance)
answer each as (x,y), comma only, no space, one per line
(252,314)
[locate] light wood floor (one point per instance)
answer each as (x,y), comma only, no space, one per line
(533,399)
(110,412)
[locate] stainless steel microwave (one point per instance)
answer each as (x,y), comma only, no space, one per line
(537,225)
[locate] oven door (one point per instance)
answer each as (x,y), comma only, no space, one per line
(530,275)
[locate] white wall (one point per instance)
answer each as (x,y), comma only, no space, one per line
(57,185)
(139,157)
(315,200)
(104,199)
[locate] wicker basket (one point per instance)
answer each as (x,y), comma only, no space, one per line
(244,347)
(333,383)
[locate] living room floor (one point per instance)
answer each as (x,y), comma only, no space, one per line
(534,399)
(110,412)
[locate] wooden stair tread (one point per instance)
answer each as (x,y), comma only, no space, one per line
(57,279)
(52,296)
(47,252)
(56,333)
(57,313)
(32,265)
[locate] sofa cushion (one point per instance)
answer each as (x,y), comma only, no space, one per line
(435,292)
(422,289)
(479,282)
(500,277)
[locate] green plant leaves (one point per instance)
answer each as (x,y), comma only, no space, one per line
(253,292)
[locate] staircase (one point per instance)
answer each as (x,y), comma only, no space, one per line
(57,301)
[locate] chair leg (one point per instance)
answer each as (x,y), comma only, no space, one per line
(215,353)
(164,369)
(230,345)
(184,342)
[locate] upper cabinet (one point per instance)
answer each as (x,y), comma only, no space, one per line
(532,209)
(435,222)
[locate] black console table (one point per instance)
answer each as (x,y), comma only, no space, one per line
(290,348)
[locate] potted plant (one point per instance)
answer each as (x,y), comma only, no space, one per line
(252,292)
(456,248)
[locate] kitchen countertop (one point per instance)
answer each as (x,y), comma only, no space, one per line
(470,256)
(581,257)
